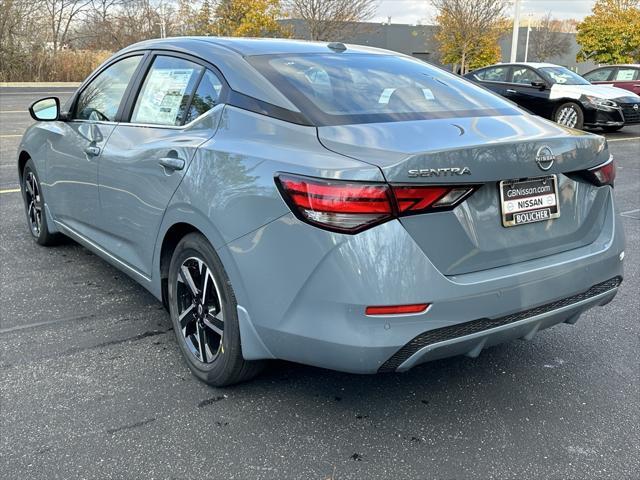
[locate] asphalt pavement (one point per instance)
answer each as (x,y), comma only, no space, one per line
(92,384)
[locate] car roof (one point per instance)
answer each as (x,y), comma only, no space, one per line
(228,55)
(261,46)
(634,65)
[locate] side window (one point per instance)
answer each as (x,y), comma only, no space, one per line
(166,91)
(601,75)
(494,74)
(525,76)
(101,99)
(627,74)
(206,96)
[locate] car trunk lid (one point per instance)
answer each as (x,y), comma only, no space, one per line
(483,151)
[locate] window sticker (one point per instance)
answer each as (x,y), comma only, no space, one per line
(625,75)
(162,96)
(386,95)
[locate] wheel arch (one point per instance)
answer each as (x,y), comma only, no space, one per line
(23,158)
(172,237)
(186,222)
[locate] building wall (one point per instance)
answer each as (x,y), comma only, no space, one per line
(419,41)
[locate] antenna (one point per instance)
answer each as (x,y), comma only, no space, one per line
(337,46)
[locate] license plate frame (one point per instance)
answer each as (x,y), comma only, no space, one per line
(538,204)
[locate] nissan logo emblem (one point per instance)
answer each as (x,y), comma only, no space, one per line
(635,107)
(545,158)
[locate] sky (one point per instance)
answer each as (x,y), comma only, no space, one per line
(421,11)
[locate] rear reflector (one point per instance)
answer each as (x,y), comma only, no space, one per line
(350,207)
(397,309)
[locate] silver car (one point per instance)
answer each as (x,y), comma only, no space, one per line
(334,205)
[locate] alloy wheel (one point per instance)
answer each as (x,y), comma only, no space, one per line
(34,203)
(200,310)
(567,117)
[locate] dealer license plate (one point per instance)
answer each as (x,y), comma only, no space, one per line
(529,201)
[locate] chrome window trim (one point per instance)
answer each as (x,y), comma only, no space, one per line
(154,125)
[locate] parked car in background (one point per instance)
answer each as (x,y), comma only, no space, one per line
(621,76)
(557,93)
(338,206)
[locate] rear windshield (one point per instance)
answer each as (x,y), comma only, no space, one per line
(333,89)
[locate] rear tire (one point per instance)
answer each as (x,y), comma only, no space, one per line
(570,115)
(204,313)
(611,129)
(34,205)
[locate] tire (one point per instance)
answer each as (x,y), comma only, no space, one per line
(569,114)
(206,326)
(612,129)
(34,207)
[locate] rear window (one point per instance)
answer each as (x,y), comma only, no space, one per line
(334,89)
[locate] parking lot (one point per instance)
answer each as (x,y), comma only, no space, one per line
(92,383)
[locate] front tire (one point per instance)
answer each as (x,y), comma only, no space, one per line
(35,207)
(204,313)
(569,114)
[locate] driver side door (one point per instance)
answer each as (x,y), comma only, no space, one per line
(72,162)
(520,91)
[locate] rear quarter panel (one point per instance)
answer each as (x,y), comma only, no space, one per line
(229,189)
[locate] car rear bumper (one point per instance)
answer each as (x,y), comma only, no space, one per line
(470,338)
(304,292)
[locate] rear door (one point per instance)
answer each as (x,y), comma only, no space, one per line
(145,158)
(495,78)
(627,78)
(73,158)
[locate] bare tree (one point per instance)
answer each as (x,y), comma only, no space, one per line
(60,15)
(469,30)
(329,19)
(547,39)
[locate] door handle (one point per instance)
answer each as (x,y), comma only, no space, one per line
(171,163)
(92,151)
(510,90)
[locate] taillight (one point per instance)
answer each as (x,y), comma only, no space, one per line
(604,174)
(350,207)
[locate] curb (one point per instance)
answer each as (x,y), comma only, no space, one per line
(39,84)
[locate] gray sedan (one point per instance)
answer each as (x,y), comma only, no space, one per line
(334,205)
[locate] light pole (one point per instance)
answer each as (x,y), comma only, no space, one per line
(516,28)
(526,47)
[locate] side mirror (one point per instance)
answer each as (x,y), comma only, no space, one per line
(45,109)
(540,85)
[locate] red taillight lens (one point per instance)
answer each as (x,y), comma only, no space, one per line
(396,309)
(418,199)
(350,207)
(415,199)
(343,206)
(603,174)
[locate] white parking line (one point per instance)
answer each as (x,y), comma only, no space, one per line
(622,139)
(11,136)
(10,190)
(629,213)
(14,111)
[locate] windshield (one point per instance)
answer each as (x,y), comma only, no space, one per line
(563,76)
(341,88)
